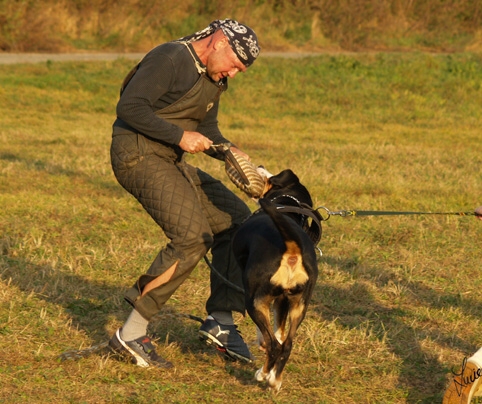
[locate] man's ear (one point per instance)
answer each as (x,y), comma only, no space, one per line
(221,42)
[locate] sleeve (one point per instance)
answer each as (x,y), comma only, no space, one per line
(152,80)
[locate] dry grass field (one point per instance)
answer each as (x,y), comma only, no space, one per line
(397,306)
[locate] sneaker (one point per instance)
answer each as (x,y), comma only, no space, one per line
(226,338)
(465,384)
(141,351)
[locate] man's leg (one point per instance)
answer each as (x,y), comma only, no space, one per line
(165,193)
(224,212)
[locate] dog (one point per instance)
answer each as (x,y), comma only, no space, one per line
(275,248)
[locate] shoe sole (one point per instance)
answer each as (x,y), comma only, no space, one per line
(136,358)
(210,340)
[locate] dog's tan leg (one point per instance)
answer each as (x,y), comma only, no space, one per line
(280,314)
(260,339)
(295,309)
(260,313)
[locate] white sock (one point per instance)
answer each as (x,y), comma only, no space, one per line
(223,317)
(134,327)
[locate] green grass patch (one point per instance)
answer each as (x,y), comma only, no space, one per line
(397,305)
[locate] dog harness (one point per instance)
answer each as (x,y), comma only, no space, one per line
(313,229)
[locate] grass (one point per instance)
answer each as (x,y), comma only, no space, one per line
(397,305)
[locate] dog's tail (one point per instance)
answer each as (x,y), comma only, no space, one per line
(286,229)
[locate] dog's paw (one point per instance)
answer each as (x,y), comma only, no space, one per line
(260,375)
(273,382)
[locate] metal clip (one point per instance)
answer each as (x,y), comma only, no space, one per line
(342,213)
(328,212)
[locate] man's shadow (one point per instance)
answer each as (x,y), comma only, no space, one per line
(91,305)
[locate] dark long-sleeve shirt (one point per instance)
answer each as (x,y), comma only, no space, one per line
(165,74)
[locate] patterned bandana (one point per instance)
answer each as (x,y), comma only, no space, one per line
(243,40)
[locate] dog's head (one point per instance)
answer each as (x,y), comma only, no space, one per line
(285,183)
(286,188)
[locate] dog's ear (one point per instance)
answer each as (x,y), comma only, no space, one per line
(284,179)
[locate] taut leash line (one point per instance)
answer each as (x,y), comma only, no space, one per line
(351,213)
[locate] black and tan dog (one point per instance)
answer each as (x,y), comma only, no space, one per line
(275,248)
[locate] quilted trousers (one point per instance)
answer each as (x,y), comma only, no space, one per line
(196,213)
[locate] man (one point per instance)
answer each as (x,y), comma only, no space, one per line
(168,106)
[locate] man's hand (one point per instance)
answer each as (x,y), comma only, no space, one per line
(194,142)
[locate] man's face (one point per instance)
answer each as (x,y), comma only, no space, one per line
(223,62)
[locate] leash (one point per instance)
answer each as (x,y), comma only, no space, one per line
(219,275)
(353,213)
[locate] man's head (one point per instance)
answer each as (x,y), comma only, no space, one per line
(220,59)
(241,39)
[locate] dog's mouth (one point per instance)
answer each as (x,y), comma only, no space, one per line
(266,175)
(263,172)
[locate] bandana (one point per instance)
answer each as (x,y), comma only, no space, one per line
(243,40)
